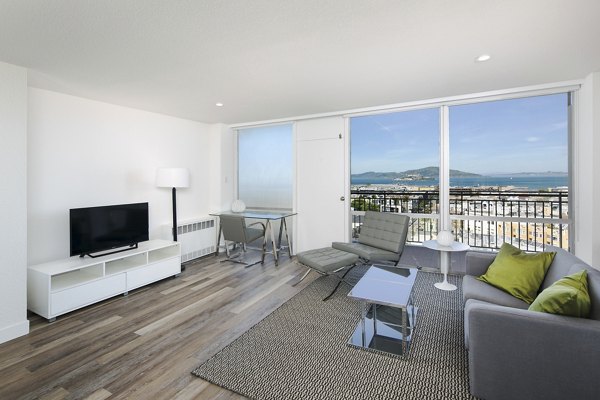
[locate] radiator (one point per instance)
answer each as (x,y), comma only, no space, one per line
(197,237)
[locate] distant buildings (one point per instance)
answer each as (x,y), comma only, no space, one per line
(481,217)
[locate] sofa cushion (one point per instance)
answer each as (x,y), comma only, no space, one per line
(518,273)
(560,267)
(477,263)
(567,296)
(593,277)
(475,289)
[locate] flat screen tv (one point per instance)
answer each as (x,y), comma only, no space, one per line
(95,229)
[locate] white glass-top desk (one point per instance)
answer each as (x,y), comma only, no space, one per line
(268,216)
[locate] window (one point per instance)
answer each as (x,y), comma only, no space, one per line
(265,166)
(395,168)
(515,159)
(506,177)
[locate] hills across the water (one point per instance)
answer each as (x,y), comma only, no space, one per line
(413,174)
(432,173)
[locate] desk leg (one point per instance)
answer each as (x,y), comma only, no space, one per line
(282,229)
(287,237)
(280,232)
(219,239)
(444,267)
(270,229)
(264,247)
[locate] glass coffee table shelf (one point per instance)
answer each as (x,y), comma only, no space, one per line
(389,317)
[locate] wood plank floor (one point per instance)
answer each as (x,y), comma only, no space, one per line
(144,345)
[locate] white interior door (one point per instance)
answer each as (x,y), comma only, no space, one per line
(321,193)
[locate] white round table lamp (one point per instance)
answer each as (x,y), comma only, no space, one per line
(238,206)
(445,238)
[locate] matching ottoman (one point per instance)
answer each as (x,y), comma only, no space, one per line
(327,261)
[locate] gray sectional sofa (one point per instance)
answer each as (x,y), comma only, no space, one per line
(519,354)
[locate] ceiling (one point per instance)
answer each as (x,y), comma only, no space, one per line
(270,59)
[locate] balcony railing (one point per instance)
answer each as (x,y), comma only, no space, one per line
(529,220)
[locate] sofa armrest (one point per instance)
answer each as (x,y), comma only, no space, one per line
(521,354)
(477,262)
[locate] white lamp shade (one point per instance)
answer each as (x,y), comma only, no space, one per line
(173,177)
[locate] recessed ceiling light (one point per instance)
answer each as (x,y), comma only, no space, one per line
(219,104)
(483,57)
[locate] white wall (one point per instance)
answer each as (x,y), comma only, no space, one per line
(583,172)
(87,153)
(595,133)
(586,171)
(13,202)
(223,161)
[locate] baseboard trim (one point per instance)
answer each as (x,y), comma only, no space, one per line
(14,331)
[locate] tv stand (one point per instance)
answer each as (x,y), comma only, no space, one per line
(62,286)
(131,246)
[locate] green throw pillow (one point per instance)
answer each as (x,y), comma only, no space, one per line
(567,296)
(518,273)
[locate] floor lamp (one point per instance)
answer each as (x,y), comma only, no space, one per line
(173,178)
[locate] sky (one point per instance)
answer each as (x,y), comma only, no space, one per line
(497,137)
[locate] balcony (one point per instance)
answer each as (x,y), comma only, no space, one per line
(482,219)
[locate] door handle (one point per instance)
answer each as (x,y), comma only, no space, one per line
(342,198)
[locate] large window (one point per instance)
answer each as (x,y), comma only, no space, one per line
(517,189)
(265,166)
(505,172)
(395,168)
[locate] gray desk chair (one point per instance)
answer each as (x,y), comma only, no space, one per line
(234,230)
(382,238)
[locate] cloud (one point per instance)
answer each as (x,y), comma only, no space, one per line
(533,139)
(383,127)
(559,126)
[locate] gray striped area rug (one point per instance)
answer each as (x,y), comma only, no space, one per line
(300,351)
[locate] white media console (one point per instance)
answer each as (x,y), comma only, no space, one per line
(58,287)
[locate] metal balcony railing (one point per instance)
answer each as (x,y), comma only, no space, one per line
(529,220)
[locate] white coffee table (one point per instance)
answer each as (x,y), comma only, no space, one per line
(445,259)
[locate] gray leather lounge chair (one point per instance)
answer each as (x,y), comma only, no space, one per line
(382,238)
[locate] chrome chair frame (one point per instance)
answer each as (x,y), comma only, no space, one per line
(234,229)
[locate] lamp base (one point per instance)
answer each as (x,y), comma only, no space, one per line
(445,286)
